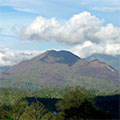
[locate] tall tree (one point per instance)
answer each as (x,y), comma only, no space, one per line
(18,109)
(35,111)
(77,104)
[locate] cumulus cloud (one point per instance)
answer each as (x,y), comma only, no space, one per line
(85,31)
(11,57)
(77,29)
(88,48)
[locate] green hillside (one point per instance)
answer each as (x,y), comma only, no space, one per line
(56,69)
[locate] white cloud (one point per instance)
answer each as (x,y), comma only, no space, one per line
(79,28)
(106,9)
(41,29)
(88,48)
(109,34)
(83,31)
(23,9)
(12,57)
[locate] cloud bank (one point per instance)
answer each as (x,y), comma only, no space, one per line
(84,32)
(78,29)
(88,48)
(12,57)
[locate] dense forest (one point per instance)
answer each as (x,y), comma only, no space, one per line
(70,103)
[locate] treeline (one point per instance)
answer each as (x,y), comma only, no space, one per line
(72,103)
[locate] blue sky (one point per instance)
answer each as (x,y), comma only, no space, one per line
(15,15)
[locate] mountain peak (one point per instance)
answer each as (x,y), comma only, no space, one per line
(65,57)
(60,68)
(108,59)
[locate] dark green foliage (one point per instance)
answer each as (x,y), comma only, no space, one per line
(13,107)
(49,93)
(47,116)
(35,111)
(22,111)
(18,109)
(49,103)
(110,103)
(76,103)
(85,111)
(73,97)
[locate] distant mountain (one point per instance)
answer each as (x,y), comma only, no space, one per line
(58,69)
(3,68)
(114,61)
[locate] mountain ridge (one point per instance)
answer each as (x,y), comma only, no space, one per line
(51,69)
(111,60)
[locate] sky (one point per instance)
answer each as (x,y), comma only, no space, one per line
(84,27)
